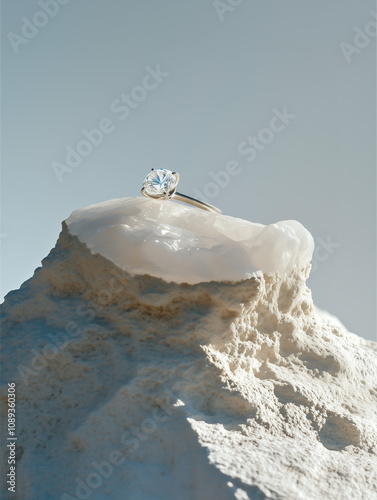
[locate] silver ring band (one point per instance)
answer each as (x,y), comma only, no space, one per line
(161,184)
(196,203)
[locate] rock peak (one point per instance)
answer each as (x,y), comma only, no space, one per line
(182,243)
(175,390)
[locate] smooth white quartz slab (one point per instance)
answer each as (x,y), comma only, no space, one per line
(181,243)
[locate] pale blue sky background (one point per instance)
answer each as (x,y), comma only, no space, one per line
(225,78)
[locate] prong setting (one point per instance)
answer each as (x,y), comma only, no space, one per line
(160,184)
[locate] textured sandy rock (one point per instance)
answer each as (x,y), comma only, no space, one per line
(216,390)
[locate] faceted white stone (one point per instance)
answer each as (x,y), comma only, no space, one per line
(181,243)
(159,182)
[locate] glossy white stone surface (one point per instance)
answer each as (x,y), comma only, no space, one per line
(181,243)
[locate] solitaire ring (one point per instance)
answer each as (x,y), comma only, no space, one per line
(162,184)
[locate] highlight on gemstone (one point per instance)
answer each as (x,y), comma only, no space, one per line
(160,183)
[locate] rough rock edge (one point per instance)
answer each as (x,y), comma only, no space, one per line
(270,369)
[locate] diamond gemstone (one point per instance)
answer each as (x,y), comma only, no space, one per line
(160,182)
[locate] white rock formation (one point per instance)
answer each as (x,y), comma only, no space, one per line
(180,243)
(132,387)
